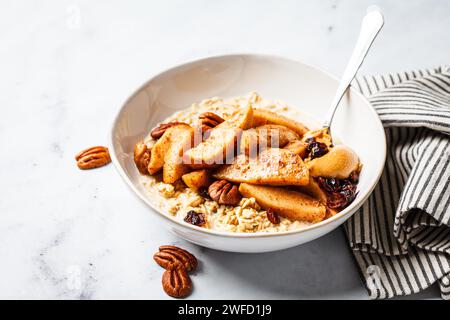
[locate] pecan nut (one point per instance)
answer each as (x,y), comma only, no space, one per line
(93,157)
(223,192)
(172,257)
(209,120)
(158,131)
(142,155)
(176,283)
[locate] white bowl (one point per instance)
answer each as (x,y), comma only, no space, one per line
(300,85)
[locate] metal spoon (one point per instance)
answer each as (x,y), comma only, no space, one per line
(371,25)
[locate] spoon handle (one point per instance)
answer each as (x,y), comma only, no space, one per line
(371,25)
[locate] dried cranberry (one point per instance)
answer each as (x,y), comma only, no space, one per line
(345,183)
(349,192)
(343,197)
(354,177)
(340,192)
(204,192)
(336,200)
(318,149)
(330,184)
(309,142)
(315,149)
(273,217)
(197,219)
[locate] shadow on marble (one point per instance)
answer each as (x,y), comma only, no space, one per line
(321,269)
(313,270)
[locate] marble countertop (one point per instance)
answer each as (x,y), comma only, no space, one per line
(66,67)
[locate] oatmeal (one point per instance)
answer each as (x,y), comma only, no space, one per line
(243,165)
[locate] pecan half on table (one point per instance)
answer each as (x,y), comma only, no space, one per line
(177,262)
(176,283)
(93,157)
(171,257)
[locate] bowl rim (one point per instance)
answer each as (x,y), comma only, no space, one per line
(346,213)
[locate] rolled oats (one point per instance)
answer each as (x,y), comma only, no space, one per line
(177,199)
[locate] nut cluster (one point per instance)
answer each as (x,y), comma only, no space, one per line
(93,157)
(158,131)
(177,262)
(224,192)
(209,120)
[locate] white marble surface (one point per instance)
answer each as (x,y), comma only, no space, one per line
(65,68)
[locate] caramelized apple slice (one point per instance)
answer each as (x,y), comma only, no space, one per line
(262,117)
(197,179)
(221,145)
(160,148)
(287,203)
(219,148)
(272,167)
(313,189)
(255,140)
(180,141)
(242,119)
(339,162)
(297,147)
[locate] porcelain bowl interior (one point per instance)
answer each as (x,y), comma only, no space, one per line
(301,86)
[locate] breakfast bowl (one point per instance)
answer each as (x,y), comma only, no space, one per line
(301,86)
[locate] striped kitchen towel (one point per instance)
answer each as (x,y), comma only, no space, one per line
(401,235)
